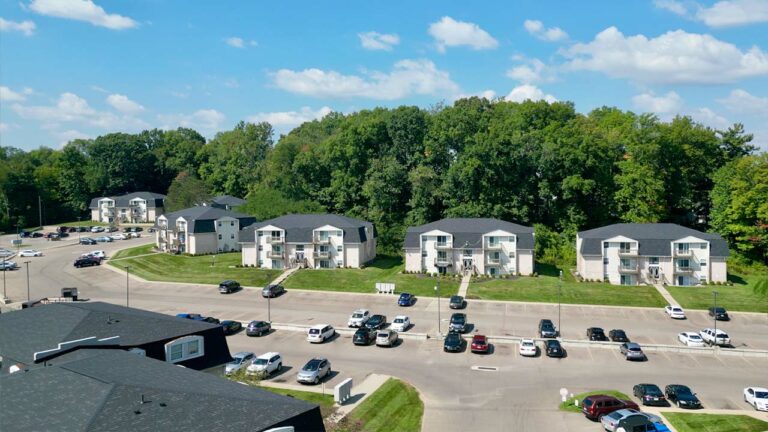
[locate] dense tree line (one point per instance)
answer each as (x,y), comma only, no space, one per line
(531,162)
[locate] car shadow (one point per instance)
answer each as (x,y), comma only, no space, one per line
(278,376)
(336,335)
(333,374)
(469,328)
(397,343)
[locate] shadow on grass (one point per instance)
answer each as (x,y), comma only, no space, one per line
(736,279)
(547,270)
(385,262)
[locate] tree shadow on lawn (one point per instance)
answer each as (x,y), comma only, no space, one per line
(736,279)
(385,262)
(548,270)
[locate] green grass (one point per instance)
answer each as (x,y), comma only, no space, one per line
(689,422)
(194,269)
(739,297)
(131,252)
(395,406)
(544,289)
(325,401)
(81,223)
(382,269)
(569,406)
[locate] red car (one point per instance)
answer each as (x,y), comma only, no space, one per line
(479,344)
(596,406)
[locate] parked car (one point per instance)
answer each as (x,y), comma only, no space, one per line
(596,406)
(50,235)
(386,337)
(674,311)
(649,394)
(596,334)
(30,253)
(25,234)
(272,290)
(553,349)
(103,239)
(632,351)
(37,234)
(211,320)
(719,313)
(111,229)
(547,329)
(137,229)
(134,234)
(231,327)
(192,316)
(358,318)
(320,333)
(711,337)
(457,302)
(265,364)
(757,397)
(528,348)
(618,335)
(229,286)
(364,336)
(87,261)
(480,344)
(406,299)
(376,322)
(458,322)
(258,328)
(453,342)
(9,265)
(314,371)
(631,420)
(239,361)
(98,254)
(682,396)
(119,236)
(401,323)
(691,339)
(97,229)
(87,241)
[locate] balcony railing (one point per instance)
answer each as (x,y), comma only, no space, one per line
(628,269)
(493,246)
(442,246)
(493,261)
(272,240)
(627,252)
(683,253)
(321,240)
(683,269)
(442,262)
(275,254)
(322,254)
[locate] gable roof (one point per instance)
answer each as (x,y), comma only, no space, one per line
(154,200)
(470,231)
(298,227)
(109,386)
(227,200)
(25,332)
(200,219)
(653,238)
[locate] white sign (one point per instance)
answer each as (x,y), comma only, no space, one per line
(564,393)
(342,391)
(16,242)
(385,288)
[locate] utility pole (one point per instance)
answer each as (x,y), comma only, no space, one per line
(559,289)
(5,270)
(127,273)
(27,264)
(437,290)
(40,210)
(714,313)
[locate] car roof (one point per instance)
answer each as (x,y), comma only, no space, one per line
(599,397)
(268,355)
(478,336)
(759,389)
(627,412)
(401,317)
(526,340)
(243,354)
(456,297)
(405,294)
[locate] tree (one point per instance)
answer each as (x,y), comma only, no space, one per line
(735,143)
(267,203)
(186,191)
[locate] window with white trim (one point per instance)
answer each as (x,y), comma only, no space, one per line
(185,348)
(703,262)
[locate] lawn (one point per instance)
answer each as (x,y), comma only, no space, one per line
(82,223)
(544,289)
(134,251)
(382,269)
(395,406)
(206,269)
(324,400)
(569,406)
(739,297)
(689,422)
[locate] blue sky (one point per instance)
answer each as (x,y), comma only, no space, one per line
(81,68)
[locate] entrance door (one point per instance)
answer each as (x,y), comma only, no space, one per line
(467,264)
(653,272)
(681,281)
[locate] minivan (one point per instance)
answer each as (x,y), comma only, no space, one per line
(320,333)
(228,286)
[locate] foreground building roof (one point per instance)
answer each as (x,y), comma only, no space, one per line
(154,200)
(200,219)
(653,238)
(299,227)
(470,231)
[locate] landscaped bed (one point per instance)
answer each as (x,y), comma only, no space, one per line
(386,269)
(692,422)
(395,406)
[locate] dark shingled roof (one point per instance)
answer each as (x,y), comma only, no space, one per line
(103,392)
(201,219)
(154,200)
(653,238)
(24,332)
(227,200)
(298,227)
(470,231)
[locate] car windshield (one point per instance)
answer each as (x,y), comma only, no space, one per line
(553,344)
(452,337)
(399,320)
(312,366)
(527,344)
(722,334)
(684,391)
(546,326)
(260,362)
(357,315)
(761,395)
(676,310)
(404,296)
(383,335)
(458,319)
(694,337)
(314,331)
(719,310)
(635,348)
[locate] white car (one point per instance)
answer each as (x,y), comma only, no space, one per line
(720,338)
(5,253)
(528,348)
(239,360)
(30,253)
(674,311)
(386,337)
(401,323)
(320,333)
(8,265)
(133,234)
(359,318)
(265,364)
(691,339)
(97,229)
(97,253)
(757,397)
(120,236)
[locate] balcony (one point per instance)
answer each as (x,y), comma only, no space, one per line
(442,246)
(321,240)
(275,254)
(273,240)
(322,254)
(684,269)
(493,246)
(493,261)
(683,253)
(628,252)
(628,269)
(442,262)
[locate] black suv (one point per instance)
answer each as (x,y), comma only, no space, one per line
(87,241)
(87,261)
(547,329)
(719,313)
(376,322)
(272,290)
(554,349)
(229,286)
(457,302)
(682,396)
(453,342)
(364,336)
(649,394)
(596,334)
(618,335)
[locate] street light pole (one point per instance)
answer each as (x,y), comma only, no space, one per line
(27,264)
(269,307)
(437,289)
(127,273)
(5,296)
(559,289)
(714,314)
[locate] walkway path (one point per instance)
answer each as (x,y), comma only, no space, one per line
(664,293)
(284,275)
(464,284)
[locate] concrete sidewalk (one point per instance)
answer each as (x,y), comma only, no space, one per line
(284,275)
(664,293)
(464,284)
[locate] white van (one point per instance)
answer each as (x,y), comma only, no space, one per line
(320,333)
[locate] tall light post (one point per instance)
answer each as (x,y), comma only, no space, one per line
(437,290)
(5,296)
(559,289)
(127,274)
(27,264)
(714,314)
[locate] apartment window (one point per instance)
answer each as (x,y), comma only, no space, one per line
(703,245)
(605,260)
(512,239)
(511,254)
(258,233)
(261,263)
(442,240)
(624,247)
(219,236)
(339,248)
(185,348)
(232,223)
(493,241)
(299,248)
(261,248)
(275,234)
(683,263)
(468,252)
(339,233)
(423,253)
(232,236)
(653,260)
(218,223)
(493,271)
(325,264)
(703,263)
(441,255)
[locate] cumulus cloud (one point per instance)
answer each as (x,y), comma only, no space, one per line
(525,92)
(290,119)
(488,94)
(72,108)
(709,118)
(8,95)
(531,71)
(537,29)
(123,104)
(71,134)
(742,102)
(676,57)
(407,77)
(725,13)
(25,27)
(674,6)
(206,120)
(82,10)
(378,41)
(670,103)
(4,127)
(239,42)
(450,33)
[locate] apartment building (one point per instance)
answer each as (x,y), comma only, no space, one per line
(309,240)
(137,207)
(200,230)
(631,254)
(475,245)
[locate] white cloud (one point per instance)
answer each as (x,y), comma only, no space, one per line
(26,27)
(378,41)
(72,108)
(69,135)
(406,78)
(534,71)
(82,10)
(525,92)
(724,13)
(488,94)
(449,33)
(8,95)
(4,127)
(742,102)
(670,103)
(238,42)
(674,57)
(676,7)
(709,118)
(205,120)
(123,104)
(290,119)
(537,29)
